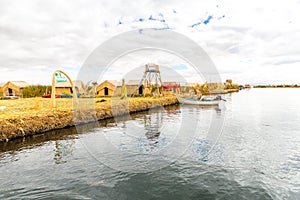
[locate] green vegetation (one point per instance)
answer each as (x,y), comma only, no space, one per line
(36,91)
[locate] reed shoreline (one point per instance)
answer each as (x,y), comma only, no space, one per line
(26,117)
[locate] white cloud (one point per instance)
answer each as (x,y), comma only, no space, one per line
(132,66)
(245,40)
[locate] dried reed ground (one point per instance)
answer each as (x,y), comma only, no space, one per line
(31,116)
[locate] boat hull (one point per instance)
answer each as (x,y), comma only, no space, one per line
(198,102)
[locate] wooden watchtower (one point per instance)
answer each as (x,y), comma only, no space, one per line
(151,76)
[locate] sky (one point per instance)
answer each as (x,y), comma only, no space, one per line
(256,42)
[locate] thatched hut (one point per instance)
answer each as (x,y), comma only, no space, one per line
(106,88)
(133,87)
(1,92)
(14,88)
(63,88)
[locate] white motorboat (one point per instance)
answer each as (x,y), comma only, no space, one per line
(203,101)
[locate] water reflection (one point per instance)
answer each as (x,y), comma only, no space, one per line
(140,132)
(153,122)
(38,140)
(241,165)
(64,138)
(63,150)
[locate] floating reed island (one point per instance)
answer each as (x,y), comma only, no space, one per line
(25,117)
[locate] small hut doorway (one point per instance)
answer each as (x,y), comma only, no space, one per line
(141,89)
(10,92)
(106,91)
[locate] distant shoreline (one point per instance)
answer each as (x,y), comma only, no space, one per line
(276,86)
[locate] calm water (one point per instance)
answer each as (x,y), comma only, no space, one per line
(176,152)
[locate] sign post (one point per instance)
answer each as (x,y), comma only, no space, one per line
(59,77)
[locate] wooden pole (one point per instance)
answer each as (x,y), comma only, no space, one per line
(53,102)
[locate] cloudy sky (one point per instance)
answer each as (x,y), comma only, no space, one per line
(248,41)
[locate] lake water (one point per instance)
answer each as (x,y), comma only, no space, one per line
(247,148)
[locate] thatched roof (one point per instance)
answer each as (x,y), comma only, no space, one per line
(20,84)
(191,84)
(63,85)
(133,82)
(114,82)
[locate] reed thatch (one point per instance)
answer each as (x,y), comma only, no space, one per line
(13,88)
(63,88)
(106,88)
